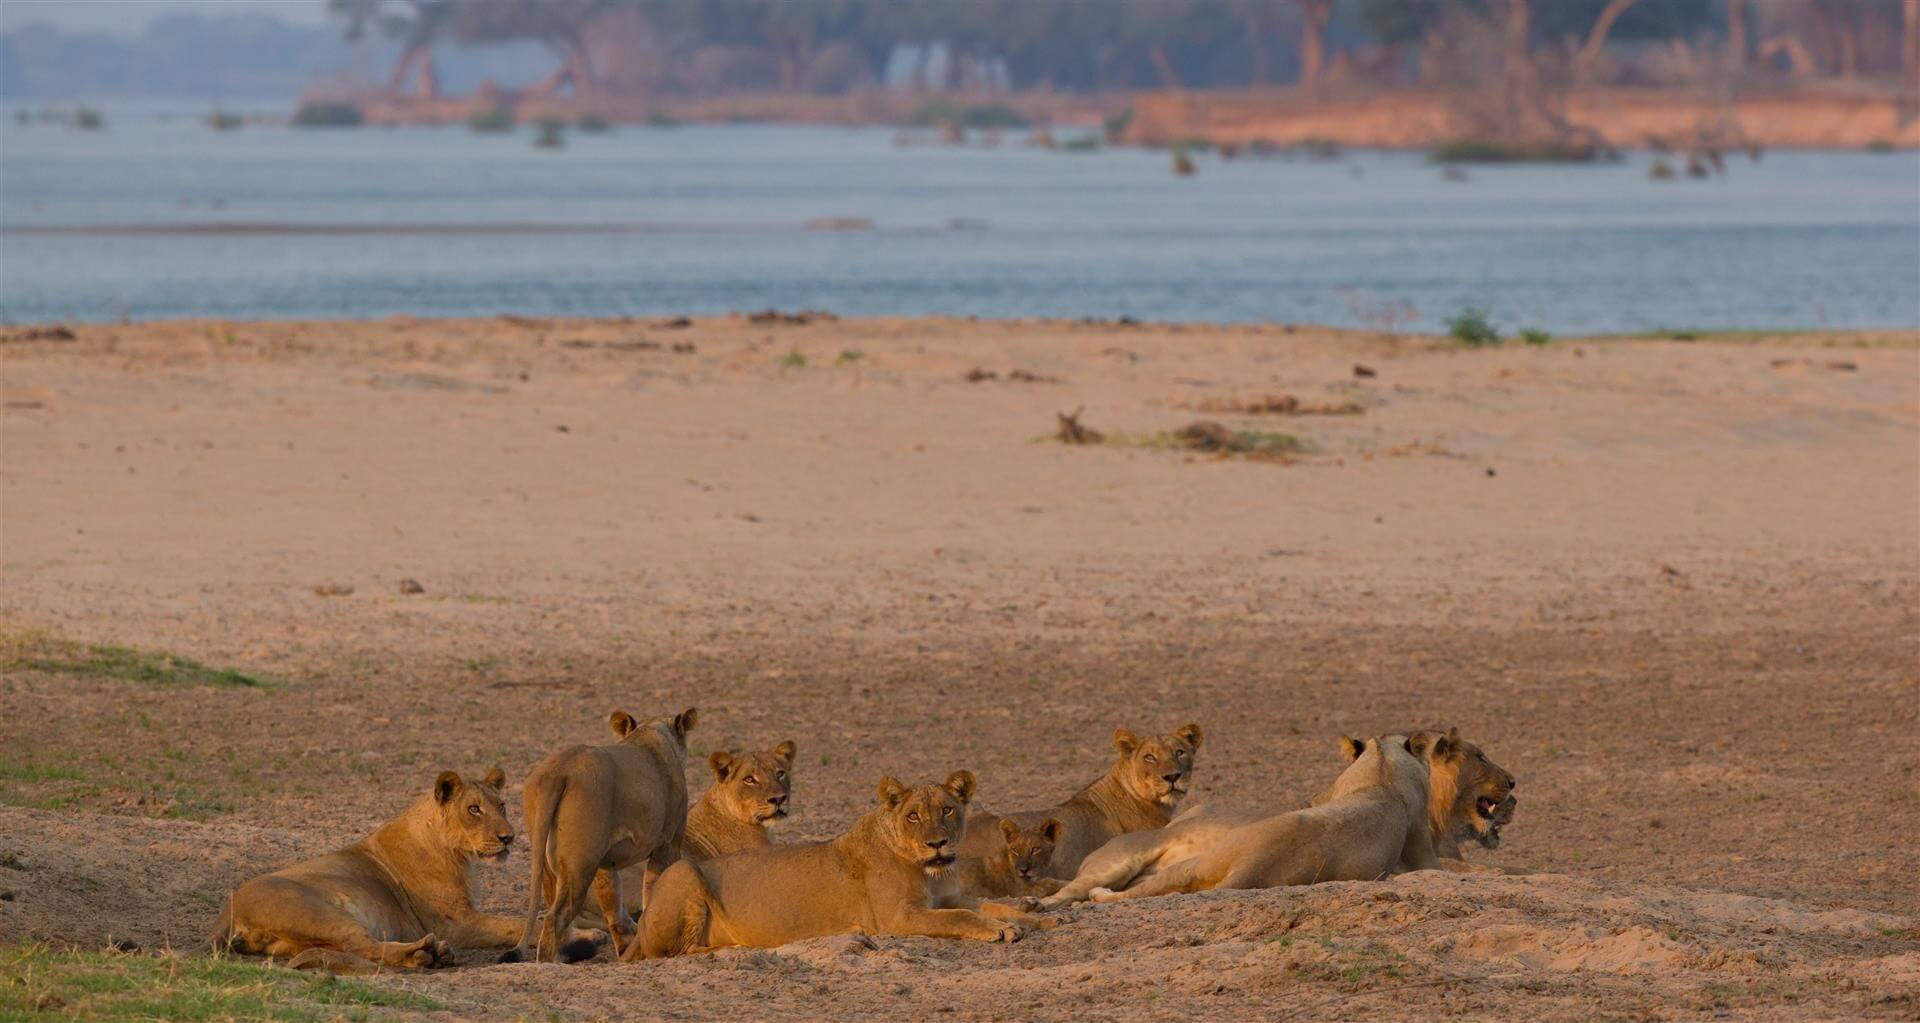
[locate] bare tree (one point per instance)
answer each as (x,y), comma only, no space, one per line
(1314,15)
(1597,38)
(1737,35)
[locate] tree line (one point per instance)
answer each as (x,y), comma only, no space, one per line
(704,46)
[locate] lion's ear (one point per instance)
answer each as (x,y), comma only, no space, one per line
(719,763)
(495,778)
(622,723)
(1050,829)
(1352,747)
(1190,734)
(445,786)
(1445,745)
(960,784)
(1009,829)
(891,791)
(785,751)
(684,721)
(1125,741)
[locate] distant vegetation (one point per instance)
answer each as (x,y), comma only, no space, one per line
(328,115)
(594,124)
(1470,326)
(1537,150)
(494,121)
(979,115)
(552,133)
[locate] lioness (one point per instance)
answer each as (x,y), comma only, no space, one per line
(1140,791)
(1019,870)
(1374,824)
(400,897)
(593,810)
(889,874)
(748,796)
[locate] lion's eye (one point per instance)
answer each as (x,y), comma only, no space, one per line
(1151,759)
(946,811)
(914,817)
(751,780)
(474,810)
(1181,754)
(780,775)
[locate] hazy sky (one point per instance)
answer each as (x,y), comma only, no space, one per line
(129,17)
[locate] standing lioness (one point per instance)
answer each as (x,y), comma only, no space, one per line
(1372,824)
(1141,791)
(593,810)
(400,897)
(889,874)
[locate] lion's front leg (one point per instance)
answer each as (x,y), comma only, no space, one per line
(620,926)
(953,923)
(1002,911)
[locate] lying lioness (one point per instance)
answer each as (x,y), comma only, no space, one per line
(1139,792)
(401,897)
(889,874)
(594,810)
(1373,824)
(1021,869)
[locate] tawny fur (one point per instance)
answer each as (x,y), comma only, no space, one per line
(1140,792)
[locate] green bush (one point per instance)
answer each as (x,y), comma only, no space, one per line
(1470,326)
(981,115)
(89,119)
(1535,336)
(221,120)
(495,121)
(552,135)
(328,115)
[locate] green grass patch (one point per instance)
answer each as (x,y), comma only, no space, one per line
(1471,327)
(1481,150)
(1214,438)
(119,663)
(41,983)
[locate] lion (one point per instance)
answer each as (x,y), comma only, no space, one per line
(1019,870)
(592,811)
(1373,825)
(890,873)
(1469,799)
(749,795)
(401,897)
(1141,791)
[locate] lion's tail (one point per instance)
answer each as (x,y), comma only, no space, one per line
(539,834)
(222,937)
(333,961)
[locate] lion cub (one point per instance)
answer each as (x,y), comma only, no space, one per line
(1018,870)
(1139,792)
(891,873)
(1373,823)
(592,811)
(400,897)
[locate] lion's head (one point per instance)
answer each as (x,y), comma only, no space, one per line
(924,823)
(754,787)
(473,820)
(674,729)
(1470,798)
(1157,769)
(1030,853)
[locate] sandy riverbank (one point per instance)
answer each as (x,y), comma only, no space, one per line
(1673,586)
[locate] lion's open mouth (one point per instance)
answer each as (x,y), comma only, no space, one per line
(1485,805)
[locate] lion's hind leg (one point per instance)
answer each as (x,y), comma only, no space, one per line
(1113,865)
(279,917)
(1189,875)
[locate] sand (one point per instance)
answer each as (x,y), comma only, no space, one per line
(1673,586)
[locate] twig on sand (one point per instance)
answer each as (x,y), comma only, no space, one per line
(1315,1007)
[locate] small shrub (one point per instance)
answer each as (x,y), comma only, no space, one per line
(1319,148)
(1535,336)
(222,120)
(661,119)
(849,356)
(1471,327)
(978,115)
(328,115)
(1480,150)
(89,119)
(1880,146)
(553,133)
(1182,163)
(793,360)
(594,124)
(1661,170)
(1081,144)
(495,121)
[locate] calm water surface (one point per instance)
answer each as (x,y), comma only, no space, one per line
(712,219)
